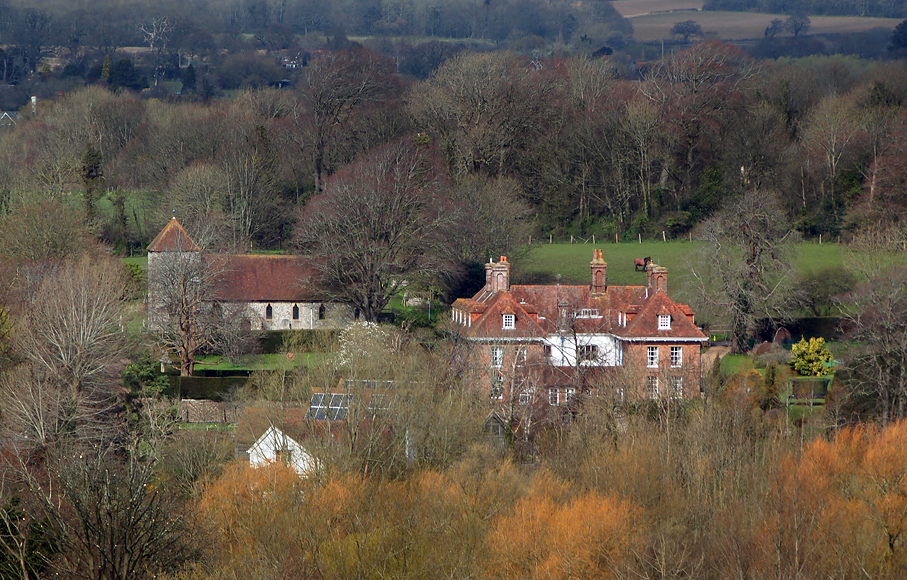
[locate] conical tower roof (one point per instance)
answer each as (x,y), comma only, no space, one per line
(173,238)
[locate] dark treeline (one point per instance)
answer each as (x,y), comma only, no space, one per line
(110,25)
(878,8)
(580,145)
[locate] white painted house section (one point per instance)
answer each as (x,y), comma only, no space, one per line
(275,445)
(564,348)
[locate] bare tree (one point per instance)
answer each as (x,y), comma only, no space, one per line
(336,86)
(72,330)
(876,371)
(36,231)
(746,270)
(487,108)
(383,223)
(69,340)
(111,520)
(157,36)
(181,314)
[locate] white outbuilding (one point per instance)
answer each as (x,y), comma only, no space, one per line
(275,445)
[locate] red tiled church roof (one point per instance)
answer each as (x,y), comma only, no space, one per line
(245,278)
(252,278)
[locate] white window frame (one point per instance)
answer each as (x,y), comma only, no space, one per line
(652,387)
(497,388)
(676,357)
(664,322)
(652,357)
(508,322)
(497,357)
(587,352)
(554,398)
(526,396)
(676,387)
(569,394)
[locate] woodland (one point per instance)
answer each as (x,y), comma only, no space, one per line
(415,161)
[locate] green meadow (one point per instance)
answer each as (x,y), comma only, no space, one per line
(544,262)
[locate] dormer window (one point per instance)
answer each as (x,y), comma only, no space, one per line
(509,321)
(664,322)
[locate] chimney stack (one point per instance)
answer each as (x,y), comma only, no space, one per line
(497,275)
(658,278)
(599,272)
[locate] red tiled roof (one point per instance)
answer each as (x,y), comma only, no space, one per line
(603,316)
(490,324)
(173,238)
(645,323)
(253,278)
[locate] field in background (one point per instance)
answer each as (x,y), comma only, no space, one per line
(545,261)
(652,20)
(746,25)
(631,8)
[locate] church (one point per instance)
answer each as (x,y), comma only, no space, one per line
(270,292)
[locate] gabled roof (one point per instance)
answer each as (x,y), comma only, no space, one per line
(645,322)
(538,309)
(173,238)
(275,445)
(489,325)
(254,278)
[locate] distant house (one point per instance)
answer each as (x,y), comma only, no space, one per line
(8,119)
(276,446)
(274,292)
(555,341)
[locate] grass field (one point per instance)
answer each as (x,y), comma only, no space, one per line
(747,25)
(631,8)
(262,362)
(653,19)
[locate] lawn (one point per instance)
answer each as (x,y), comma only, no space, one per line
(545,261)
(571,261)
(262,362)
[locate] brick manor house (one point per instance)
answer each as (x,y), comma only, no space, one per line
(552,341)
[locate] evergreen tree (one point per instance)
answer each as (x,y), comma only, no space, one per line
(899,39)
(105,69)
(91,178)
(189,80)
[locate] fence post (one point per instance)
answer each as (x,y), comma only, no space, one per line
(640,238)
(663,238)
(571,239)
(549,238)
(615,238)
(530,240)
(593,239)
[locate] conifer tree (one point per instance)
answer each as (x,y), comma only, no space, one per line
(189,80)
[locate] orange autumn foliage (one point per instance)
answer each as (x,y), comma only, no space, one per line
(548,535)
